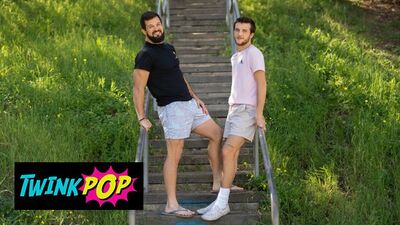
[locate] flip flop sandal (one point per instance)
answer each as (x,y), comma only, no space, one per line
(177,214)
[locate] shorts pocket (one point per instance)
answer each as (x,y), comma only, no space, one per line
(251,110)
(162,114)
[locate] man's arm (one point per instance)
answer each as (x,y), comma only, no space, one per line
(140,78)
(259,75)
(200,103)
(190,89)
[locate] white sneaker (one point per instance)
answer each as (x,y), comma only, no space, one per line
(205,209)
(215,213)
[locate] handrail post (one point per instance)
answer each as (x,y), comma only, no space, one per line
(131,217)
(146,146)
(256,153)
(146,165)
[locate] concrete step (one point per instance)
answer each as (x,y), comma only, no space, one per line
(216,101)
(198,11)
(203,59)
(196,3)
(199,42)
(205,77)
(182,4)
(194,151)
(193,177)
(198,35)
(215,16)
(193,168)
(201,197)
(210,22)
(189,143)
(204,50)
(211,87)
(197,29)
(193,205)
(181,187)
(195,159)
(206,67)
(233,218)
(205,55)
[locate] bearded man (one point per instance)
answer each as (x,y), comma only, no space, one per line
(179,109)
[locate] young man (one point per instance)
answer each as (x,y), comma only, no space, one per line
(246,104)
(179,109)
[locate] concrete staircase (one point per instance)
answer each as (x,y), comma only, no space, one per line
(199,34)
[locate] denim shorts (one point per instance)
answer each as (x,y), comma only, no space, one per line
(241,121)
(180,118)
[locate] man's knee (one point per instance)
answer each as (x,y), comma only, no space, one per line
(174,149)
(228,151)
(216,134)
(175,145)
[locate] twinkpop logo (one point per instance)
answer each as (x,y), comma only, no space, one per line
(79,186)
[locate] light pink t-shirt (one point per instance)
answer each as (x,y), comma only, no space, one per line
(244,86)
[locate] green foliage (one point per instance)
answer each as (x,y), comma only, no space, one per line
(65,90)
(333,112)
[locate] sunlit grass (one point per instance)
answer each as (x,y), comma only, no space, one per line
(333,112)
(65,90)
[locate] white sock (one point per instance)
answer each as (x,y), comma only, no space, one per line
(223,198)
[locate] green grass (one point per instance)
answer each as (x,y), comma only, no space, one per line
(333,105)
(65,90)
(333,111)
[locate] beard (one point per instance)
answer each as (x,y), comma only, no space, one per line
(244,42)
(156,39)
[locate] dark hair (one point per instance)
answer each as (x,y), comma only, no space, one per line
(148,16)
(246,20)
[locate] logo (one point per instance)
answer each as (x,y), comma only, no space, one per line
(176,57)
(79,186)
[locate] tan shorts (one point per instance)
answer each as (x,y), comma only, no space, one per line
(241,121)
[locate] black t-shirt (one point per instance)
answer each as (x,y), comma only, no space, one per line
(165,81)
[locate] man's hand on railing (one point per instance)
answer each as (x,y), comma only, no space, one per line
(260,121)
(145,123)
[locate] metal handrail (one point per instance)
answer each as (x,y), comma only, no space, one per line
(142,153)
(232,13)
(163,11)
(268,170)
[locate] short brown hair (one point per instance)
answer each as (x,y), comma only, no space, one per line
(148,16)
(246,20)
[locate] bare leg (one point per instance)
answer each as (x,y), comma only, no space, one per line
(174,148)
(230,155)
(213,132)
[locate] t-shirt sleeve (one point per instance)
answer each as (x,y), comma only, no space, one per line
(143,61)
(257,61)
